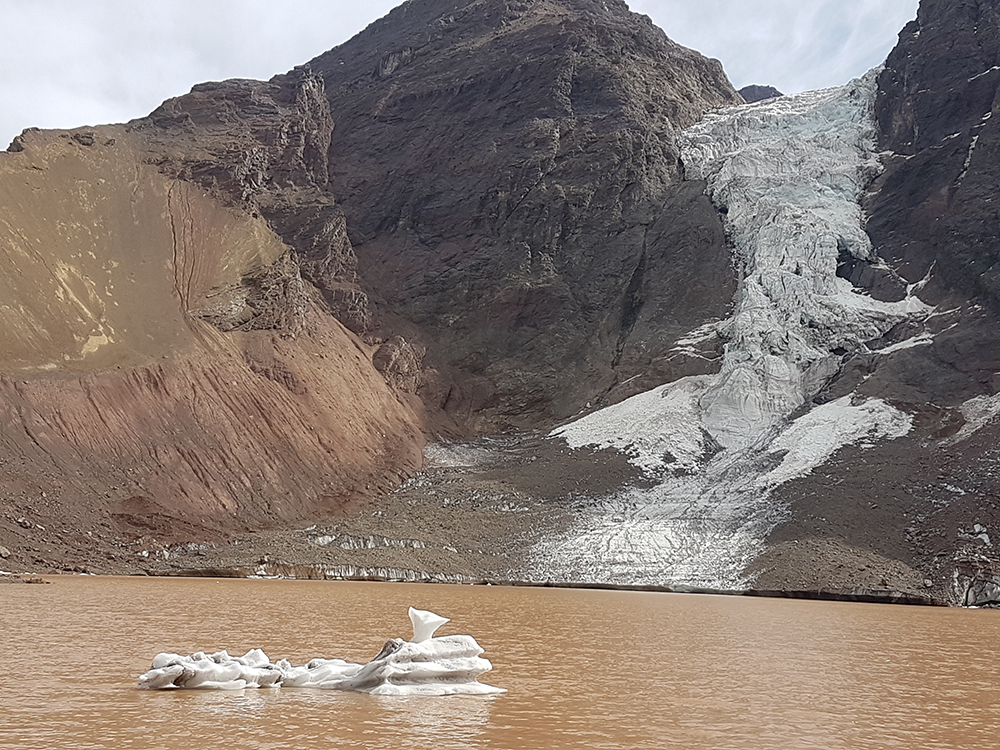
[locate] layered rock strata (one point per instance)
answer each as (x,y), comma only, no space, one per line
(166,370)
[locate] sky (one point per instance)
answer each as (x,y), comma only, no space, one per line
(67,63)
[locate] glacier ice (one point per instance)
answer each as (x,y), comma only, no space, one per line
(789,173)
(425,665)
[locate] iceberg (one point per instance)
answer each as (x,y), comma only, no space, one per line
(425,665)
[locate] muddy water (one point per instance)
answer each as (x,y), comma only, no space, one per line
(583,669)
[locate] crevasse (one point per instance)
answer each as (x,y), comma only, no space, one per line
(788,174)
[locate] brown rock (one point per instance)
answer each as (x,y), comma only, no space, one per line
(120,391)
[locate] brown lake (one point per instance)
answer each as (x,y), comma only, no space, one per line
(583,669)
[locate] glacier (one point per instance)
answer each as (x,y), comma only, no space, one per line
(787,175)
(424,665)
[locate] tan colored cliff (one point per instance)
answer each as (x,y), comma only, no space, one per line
(162,362)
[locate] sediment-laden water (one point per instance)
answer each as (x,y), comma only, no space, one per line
(583,669)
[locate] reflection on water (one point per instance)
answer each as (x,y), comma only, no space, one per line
(434,723)
(420,721)
(583,669)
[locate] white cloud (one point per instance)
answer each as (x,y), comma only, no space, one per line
(790,44)
(66,63)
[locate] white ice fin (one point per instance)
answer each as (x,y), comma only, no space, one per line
(424,624)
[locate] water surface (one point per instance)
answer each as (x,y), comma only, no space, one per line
(584,669)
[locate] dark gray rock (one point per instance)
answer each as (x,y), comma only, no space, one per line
(755,93)
(513,192)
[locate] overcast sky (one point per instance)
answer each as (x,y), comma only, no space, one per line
(67,63)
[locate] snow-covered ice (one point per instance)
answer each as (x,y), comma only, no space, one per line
(425,665)
(789,173)
(978,412)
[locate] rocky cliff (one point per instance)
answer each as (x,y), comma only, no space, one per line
(511,180)
(167,372)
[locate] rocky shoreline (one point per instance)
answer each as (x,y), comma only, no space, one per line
(475,515)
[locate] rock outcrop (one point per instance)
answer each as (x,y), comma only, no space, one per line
(756,93)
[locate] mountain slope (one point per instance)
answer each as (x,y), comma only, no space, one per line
(166,372)
(511,180)
(190,348)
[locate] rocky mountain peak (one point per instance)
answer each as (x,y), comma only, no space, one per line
(481,153)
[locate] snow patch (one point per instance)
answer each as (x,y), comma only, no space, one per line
(812,439)
(924,339)
(659,428)
(978,412)
(984,73)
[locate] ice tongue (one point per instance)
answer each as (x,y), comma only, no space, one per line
(424,624)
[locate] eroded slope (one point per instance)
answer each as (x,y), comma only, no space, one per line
(166,371)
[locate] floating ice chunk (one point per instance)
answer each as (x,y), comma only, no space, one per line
(220,671)
(424,666)
(319,673)
(424,624)
(436,666)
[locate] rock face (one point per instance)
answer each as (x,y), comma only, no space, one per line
(930,213)
(166,371)
(510,176)
(755,93)
(262,148)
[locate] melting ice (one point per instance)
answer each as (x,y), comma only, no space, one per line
(789,172)
(425,665)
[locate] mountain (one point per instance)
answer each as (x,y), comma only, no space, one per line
(511,181)
(249,307)
(654,334)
